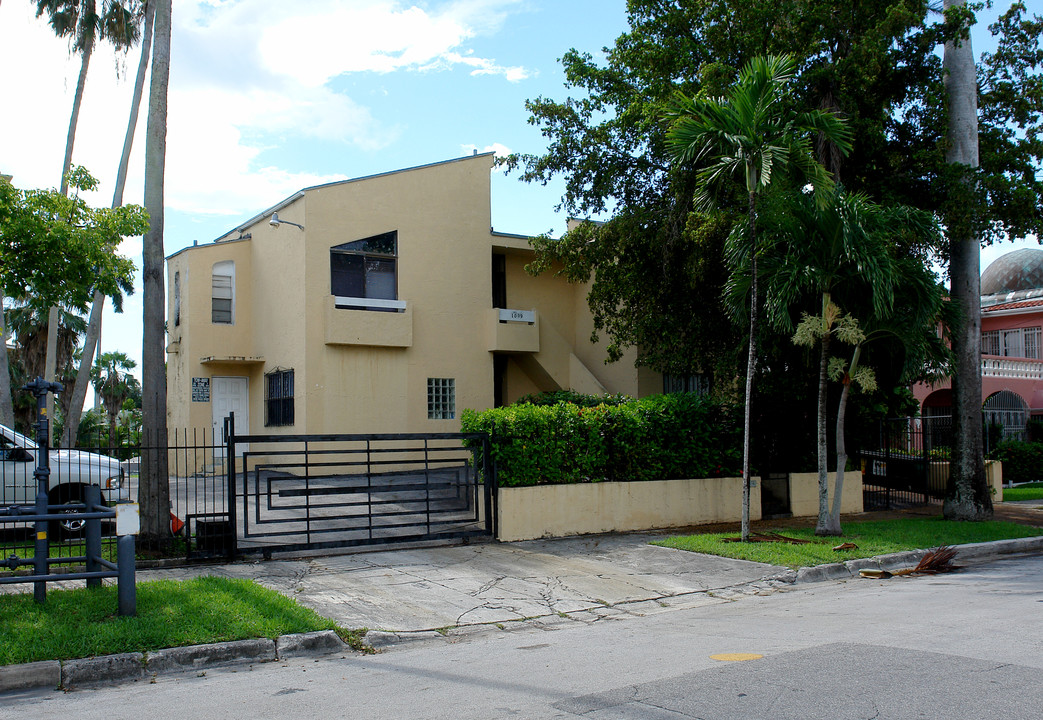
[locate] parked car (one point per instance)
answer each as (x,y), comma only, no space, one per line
(71,472)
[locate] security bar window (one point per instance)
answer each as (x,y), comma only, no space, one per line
(278,398)
(1018,342)
(441,398)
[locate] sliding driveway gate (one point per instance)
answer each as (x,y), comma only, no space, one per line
(305,492)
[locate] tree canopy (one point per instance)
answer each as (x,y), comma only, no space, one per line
(58,249)
(875,64)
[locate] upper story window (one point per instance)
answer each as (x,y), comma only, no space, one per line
(223,294)
(1017,342)
(366,270)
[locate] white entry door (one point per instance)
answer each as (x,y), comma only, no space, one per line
(230,395)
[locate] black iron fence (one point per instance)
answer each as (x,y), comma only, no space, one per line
(238,494)
(907,463)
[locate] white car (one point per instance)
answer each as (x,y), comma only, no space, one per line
(71,472)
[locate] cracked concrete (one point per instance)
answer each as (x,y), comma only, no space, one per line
(407,592)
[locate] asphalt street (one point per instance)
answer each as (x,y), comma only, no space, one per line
(963,645)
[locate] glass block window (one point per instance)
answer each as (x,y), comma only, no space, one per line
(441,398)
(278,398)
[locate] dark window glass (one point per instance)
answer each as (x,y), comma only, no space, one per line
(278,398)
(365,268)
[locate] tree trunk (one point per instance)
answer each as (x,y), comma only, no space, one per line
(751,369)
(967,496)
(90,341)
(6,400)
(838,483)
(822,526)
(154,490)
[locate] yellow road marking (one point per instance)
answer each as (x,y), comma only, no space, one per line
(735,657)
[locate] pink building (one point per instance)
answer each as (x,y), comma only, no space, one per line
(1011,346)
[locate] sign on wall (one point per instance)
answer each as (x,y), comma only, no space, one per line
(200,389)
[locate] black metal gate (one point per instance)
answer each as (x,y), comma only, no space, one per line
(908,465)
(308,492)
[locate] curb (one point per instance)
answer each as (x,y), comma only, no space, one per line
(131,667)
(978,552)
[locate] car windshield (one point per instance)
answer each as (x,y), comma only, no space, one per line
(18,438)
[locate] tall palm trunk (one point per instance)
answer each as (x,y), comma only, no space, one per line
(822,527)
(50,368)
(90,341)
(751,368)
(154,491)
(6,402)
(967,496)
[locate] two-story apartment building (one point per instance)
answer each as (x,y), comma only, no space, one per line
(380,304)
(1011,347)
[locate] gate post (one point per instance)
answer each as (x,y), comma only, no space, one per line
(42,546)
(233,535)
(92,539)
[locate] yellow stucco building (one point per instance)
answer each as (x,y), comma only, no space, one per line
(381,304)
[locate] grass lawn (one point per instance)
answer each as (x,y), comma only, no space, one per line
(81,622)
(871,537)
(1031,491)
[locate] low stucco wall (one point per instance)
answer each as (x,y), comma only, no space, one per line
(540,511)
(938,479)
(803,493)
(527,513)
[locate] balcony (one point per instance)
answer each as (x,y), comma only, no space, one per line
(1016,368)
(513,331)
(358,321)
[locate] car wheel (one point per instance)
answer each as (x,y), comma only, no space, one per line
(72,528)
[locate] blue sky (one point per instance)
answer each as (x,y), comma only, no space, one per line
(268,96)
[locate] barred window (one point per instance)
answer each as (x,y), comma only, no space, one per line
(1018,342)
(441,398)
(697,383)
(278,398)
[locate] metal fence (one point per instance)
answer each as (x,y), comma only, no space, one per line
(907,463)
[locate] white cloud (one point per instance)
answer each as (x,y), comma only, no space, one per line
(499,149)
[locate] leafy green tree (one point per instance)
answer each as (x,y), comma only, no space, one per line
(57,250)
(752,134)
(844,253)
(875,64)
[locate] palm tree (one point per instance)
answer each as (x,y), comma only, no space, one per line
(154,492)
(967,497)
(90,340)
(845,248)
(114,384)
(754,132)
(80,21)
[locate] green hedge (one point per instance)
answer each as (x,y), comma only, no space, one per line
(655,438)
(1022,461)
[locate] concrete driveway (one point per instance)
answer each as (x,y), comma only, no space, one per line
(411,590)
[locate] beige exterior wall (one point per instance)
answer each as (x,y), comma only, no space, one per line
(363,371)
(803,493)
(527,513)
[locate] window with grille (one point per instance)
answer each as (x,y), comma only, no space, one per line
(441,398)
(278,398)
(697,383)
(223,294)
(1018,342)
(365,268)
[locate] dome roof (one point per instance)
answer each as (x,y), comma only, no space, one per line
(1018,270)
